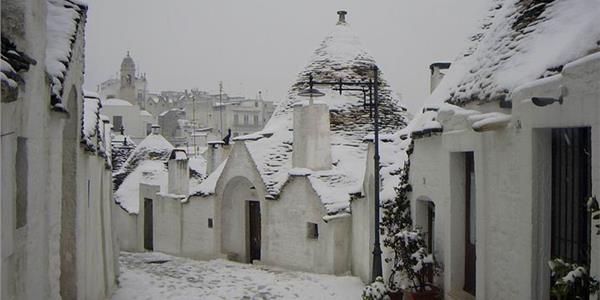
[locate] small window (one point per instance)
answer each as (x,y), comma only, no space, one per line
(256,104)
(246,119)
(256,120)
(236,119)
(210,223)
(312,230)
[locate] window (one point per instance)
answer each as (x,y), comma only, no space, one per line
(210,223)
(117,122)
(246,119)
(312,230)
(256,104)
(236,119)
(256,120)
(571,187)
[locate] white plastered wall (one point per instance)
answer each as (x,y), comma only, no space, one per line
(512,182)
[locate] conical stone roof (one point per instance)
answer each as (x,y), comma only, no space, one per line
(340,55)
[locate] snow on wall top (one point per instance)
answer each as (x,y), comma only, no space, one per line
(520,41)
(62,23)
(90,122)
(95,137)
(340,55)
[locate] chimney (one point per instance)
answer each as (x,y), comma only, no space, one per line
(436,74)
(215,154)
(341,17)
(312,145)
(155,129)
(179,173)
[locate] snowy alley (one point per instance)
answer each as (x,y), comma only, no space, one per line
(160,276)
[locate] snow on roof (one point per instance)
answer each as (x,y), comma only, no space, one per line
(90,124)
(145,113)
(339,55)
(522,41)
(62,23)
(115,102)
(153,147)
(208,186)
(152,172)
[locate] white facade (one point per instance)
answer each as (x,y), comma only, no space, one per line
(513,185)
(136,123)
(56,223)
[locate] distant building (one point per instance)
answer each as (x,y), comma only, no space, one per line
(127,118)
(127,86)
(169,122)
(215,114)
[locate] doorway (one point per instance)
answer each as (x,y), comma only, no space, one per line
(148,226)
(254,230)
(470,225)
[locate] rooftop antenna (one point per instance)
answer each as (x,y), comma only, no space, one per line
(221,108)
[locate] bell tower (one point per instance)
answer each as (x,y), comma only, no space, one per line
(127,89)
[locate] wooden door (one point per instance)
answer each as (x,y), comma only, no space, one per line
(571,187)
(254,230)
(148,227)
(470,228)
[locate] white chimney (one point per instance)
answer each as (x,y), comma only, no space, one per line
(436,74)
(215,154)
(312,144)
(179,173)
(155,129)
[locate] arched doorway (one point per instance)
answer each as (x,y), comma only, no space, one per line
(241,221)
(68,257)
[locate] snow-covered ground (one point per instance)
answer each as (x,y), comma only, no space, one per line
(160,276)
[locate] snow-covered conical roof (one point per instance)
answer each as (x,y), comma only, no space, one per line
(340,55)
(153,147)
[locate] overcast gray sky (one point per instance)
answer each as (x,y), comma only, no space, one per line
(254,45)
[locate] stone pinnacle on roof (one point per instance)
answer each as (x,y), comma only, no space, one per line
(341,17)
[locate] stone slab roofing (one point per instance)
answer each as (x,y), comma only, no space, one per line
(340,55)
(521,41)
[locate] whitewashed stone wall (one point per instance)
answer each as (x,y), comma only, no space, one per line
(512,168)
(31,254)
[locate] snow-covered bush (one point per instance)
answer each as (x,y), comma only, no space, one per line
(375,291)
(570,281)
(413,263)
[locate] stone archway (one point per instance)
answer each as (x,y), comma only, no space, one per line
(68,255)
(240,221)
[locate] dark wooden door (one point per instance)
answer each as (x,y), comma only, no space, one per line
(470,228)
(571,187)
(148,234)
(254,229)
